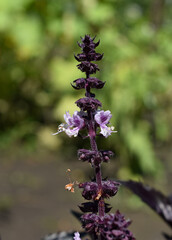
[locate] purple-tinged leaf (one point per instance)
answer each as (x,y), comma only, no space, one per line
(156,200)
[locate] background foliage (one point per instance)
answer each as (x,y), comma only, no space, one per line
(38,39)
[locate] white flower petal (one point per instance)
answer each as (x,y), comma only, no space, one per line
(106,131)
(77,236)
(73,124)
(72,132)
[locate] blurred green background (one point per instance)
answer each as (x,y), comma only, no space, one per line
(38,39)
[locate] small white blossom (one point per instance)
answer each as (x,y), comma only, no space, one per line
(72,126)
(103,118)
(76,236)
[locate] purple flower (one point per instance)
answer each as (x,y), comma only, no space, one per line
(76,236)
(72,126)
(102,118)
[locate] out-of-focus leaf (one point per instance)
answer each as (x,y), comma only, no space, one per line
(27,36)
(160,203)
(46,139)
(137,140)
(8,5)
(66,104)
(62,73)
(99,13)
(168,237)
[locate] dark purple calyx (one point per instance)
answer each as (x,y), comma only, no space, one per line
(88,55)
(88,67)
(109,227)
(90,82)
(88,50)
(91,190)
(88,41)
(94,157)
(88,103)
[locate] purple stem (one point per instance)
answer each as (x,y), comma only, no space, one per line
(92,136)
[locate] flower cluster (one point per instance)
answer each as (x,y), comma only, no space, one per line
(75,123)
(96,219)
(110,227)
